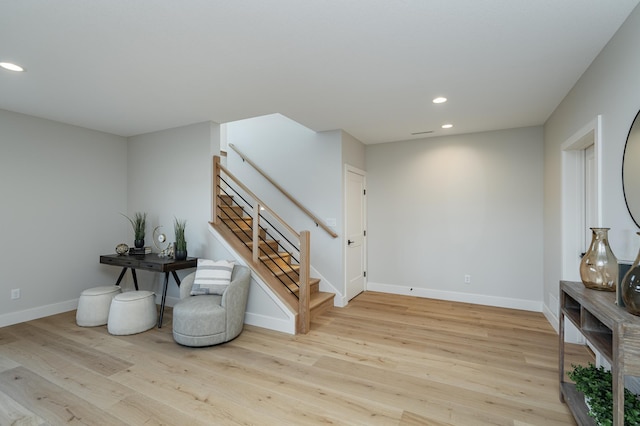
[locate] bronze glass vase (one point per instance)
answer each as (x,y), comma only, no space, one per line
(599,266)
(630,287)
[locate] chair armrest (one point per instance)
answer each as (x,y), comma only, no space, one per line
(186,284)
(238,288)
(234,300)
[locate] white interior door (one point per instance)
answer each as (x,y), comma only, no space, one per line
(590,195)
(355,233)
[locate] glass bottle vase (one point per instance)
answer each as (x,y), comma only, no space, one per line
(630,287)
(599,266)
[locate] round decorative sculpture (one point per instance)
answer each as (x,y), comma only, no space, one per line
(160,241)
(599,266)
(122,249)
(631,287)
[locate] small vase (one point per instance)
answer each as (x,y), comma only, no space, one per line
(180,254)
(631,287)
(599,266)
(138,243)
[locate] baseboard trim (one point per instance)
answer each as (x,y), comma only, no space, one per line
(552,318)
(271,323)
(478,299)
(38,312)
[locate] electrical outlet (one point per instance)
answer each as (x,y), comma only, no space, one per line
(15,293)
(467,279)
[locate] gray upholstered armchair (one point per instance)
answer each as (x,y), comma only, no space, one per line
(211,319)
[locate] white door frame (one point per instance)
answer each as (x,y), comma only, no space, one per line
(350,169)
(573,199)
(573,194)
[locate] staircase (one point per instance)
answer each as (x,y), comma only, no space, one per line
(278,268)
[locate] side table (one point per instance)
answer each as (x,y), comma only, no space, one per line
(150,262)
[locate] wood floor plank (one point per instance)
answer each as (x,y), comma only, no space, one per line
(382,360)
(413,419)
(139,409)
(100,362)
(51,402)
(84,383)
(6,363)
(13,413)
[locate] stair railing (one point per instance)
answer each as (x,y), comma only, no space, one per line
(302,238)
(306,211)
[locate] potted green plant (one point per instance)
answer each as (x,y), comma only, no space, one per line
(139,223)
(595,383)
(180,248)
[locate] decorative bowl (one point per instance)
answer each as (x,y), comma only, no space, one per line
(122,249)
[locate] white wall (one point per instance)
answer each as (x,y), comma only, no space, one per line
(610,87)
(62,188)
(306,164)
(353,152)
(170,177)
(441,208)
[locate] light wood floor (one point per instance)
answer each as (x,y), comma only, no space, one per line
(383,360)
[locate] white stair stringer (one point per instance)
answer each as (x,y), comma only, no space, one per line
(264,308)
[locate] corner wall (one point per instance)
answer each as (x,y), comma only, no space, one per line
(445,207)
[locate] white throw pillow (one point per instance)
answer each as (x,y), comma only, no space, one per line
(212,277)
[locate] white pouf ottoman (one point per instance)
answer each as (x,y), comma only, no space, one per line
(94,304)
(132,312)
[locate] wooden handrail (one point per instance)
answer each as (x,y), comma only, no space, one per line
(317,221)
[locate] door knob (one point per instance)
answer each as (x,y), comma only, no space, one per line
(349,242)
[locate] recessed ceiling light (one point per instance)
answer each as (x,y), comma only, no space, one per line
(11,67)
(447,126)
(440,100)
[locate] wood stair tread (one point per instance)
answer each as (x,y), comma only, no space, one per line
(314,285)
(285,269)
(275,256)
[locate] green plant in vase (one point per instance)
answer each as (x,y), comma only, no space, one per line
(181,242)
(139,224)
(596,385)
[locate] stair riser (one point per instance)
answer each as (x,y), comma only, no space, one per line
(323,307)
(224,200)
(284,262)
(247,235)
(231,212)
(293,273)
(242,223)
(266,248)
(314,287)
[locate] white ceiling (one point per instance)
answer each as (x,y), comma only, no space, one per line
(369,67)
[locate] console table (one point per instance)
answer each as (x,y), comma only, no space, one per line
(613,331)
(150,262)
